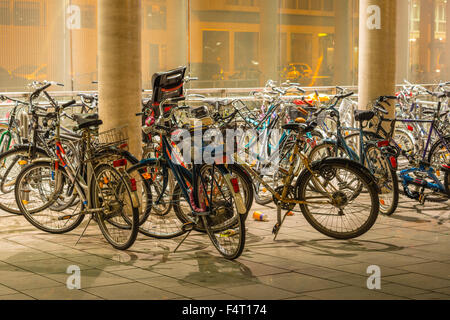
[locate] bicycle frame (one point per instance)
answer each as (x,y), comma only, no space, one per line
(288,180)
(186,178)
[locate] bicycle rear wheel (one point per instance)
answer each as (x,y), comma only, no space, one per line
(336,209)
(224,225)
(119,218)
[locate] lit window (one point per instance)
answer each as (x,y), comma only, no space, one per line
(5,13)
(156,17)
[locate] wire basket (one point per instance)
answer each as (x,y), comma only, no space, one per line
(116,137)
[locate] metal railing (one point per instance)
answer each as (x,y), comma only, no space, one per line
(241,93)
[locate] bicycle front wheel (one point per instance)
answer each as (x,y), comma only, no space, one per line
(118,218)
(38,187)
(156,220)
(385,177)
(224,225)
(342,202)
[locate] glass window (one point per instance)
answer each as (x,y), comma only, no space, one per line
(301,45)
(290,4)
(303,4)
(156,17)
(246,59)
(27,13)
(316,4)
(5,13)
(88,17)
(232,2)
(328,5)
(216,53)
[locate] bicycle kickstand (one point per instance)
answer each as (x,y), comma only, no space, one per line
(87,225)
(277,226)
(189,226)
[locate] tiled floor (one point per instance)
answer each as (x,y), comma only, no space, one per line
(412,249)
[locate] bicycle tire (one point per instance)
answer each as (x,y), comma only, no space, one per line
(105,195)
(224,225)
(32,215)
(388,203)
(154,223)
(245,184)
(9,175)
(326,168)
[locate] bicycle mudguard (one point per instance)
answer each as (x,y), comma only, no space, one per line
(27,147)
(240,205)
(42,159)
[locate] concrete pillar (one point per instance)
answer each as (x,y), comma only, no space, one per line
(446,74)
(119,53)
(343,40)
(177,36)
(403,60)
(269,40)
(377,58)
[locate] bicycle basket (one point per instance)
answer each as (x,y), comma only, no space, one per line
(116,137)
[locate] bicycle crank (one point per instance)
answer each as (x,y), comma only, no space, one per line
(290,196)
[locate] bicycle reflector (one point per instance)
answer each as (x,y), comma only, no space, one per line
(120,163)
(382,144)
(393,161)
(410,128)
(235,184)
(133,184)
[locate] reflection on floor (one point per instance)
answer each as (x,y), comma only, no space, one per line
(411,248)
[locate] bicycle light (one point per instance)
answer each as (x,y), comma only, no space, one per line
(133,184)
(120,163)
(393,161)
(382,144)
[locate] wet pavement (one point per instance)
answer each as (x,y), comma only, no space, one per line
(409,249)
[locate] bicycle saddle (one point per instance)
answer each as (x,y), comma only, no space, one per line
(300,127)
(362,115)
(87,120)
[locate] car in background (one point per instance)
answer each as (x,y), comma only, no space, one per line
(31,72)
(297,72)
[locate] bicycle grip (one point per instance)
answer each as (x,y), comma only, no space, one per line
(68,104)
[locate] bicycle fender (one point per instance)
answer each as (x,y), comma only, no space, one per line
(317,165)
(241,208)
